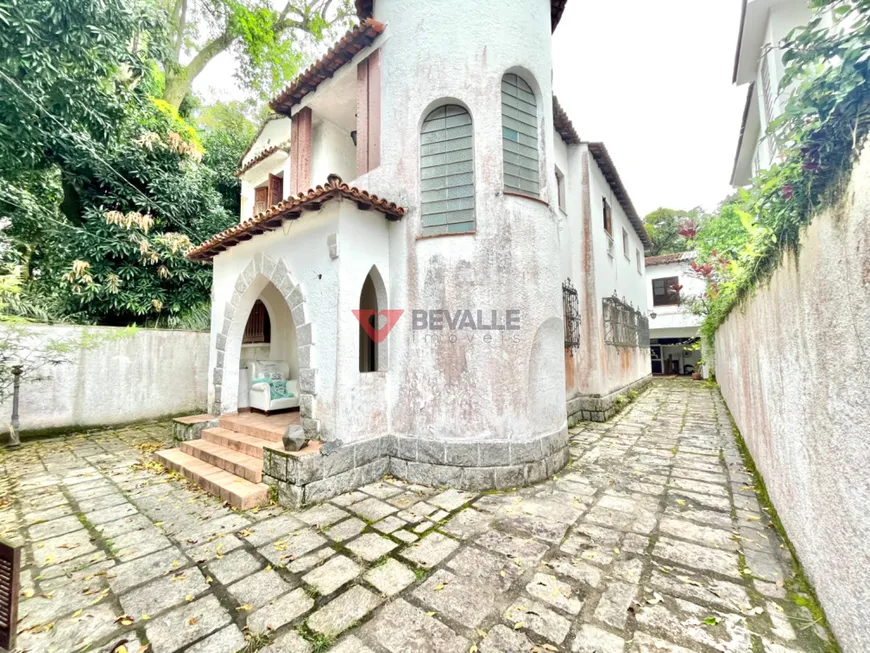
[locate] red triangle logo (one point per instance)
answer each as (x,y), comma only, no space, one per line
(364,317)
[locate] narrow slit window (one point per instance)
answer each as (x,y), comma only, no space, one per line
(520,136)
(447,171)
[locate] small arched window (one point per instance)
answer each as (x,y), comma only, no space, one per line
(368,348)
(447,171)
(520,136)
(258,329)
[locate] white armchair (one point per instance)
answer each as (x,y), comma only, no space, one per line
(260,394)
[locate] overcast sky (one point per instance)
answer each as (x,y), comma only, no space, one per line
(652,79)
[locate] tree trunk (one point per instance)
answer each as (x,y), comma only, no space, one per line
(178,80)
(176,88)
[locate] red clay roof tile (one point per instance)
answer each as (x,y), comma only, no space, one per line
(608,168)
(662,259)
(364,9)
(348,46)
(562,124)
(291,209)
(263,155)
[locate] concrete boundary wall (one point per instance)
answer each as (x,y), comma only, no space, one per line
(151,374)
(794,368)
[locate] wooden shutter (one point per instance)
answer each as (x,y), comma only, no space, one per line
(10,588)
(261,199)
(447,171)
(258,330)
(300,152)
(520,136)
(368,113)
(276,189)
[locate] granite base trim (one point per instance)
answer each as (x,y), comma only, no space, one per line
(497,465)
(186,431)
(597,408)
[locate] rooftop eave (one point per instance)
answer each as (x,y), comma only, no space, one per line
(264,157)
(340,54)
(365,9)
(608,169)
(292,209)
(563,125)
(741,172)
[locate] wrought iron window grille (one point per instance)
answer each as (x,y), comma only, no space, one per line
(571,311)
(624,325)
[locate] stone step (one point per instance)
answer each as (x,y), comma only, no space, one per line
(236,491)
(233,423)
(235,462)
(247,444)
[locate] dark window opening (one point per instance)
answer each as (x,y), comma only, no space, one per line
(258,330)
(666,291)
(608,217)
(368,348)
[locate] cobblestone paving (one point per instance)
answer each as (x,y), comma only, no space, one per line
(651,541)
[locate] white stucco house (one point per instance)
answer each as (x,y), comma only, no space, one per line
(674,340)
(758,65)
(429,170)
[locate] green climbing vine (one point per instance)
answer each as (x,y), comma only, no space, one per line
(825,119)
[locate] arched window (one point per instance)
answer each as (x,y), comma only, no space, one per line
(368,348)
(447,171)
(520,136)
(258,330)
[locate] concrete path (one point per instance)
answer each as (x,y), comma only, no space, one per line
(651,541)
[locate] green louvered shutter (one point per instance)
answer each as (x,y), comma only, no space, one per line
(520,134)
(447,171)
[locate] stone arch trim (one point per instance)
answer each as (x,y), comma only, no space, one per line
(282,278)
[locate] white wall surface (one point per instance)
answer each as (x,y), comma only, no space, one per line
(471,390)
(332,152)
(792,364)
(152,374)
(616,274)
(275,132)
(673,317)
(302,246)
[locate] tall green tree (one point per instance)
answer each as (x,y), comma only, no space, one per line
(267,43)
(226,132)
(101,184)
(664,226)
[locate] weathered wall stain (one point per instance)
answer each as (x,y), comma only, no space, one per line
(794,369)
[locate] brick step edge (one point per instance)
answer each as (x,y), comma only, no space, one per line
(230,460)
(230,424)
(246,444)
(236,491)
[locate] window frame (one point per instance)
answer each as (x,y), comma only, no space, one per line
(607,211)
(258,333)
(637,258)
(667,282)
(432,231)
(515,189)
(561,193)
(625,245)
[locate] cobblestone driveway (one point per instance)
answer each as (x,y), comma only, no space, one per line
(651,541)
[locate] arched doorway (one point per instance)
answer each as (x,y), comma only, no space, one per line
(285,294)
(373,297)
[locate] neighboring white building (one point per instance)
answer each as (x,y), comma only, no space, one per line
(493,205)
(758,63)
(674,342)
